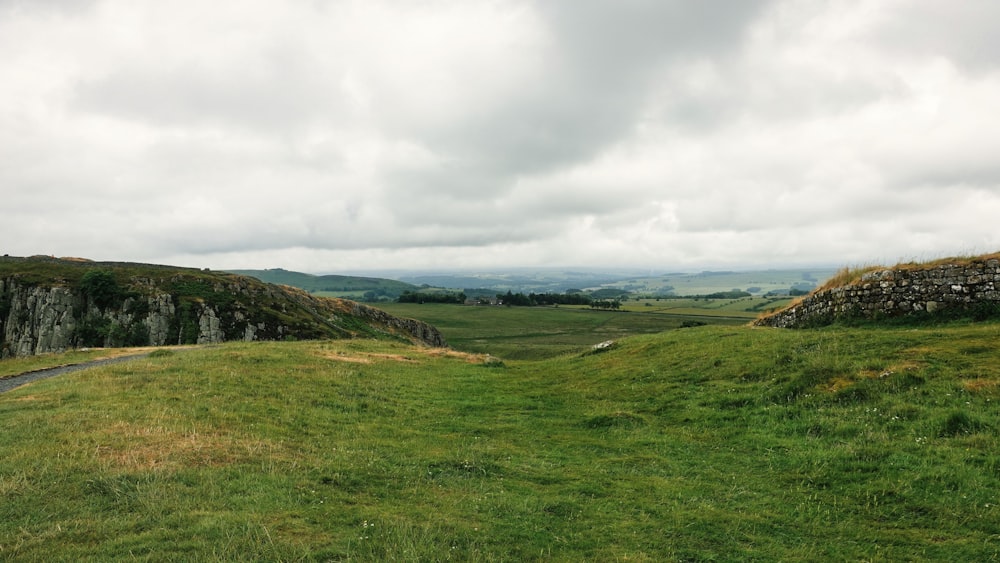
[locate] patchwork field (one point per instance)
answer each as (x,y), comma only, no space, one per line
(545,332)
(709,443)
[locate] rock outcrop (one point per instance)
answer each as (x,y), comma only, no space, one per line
(966,286)
(51,305)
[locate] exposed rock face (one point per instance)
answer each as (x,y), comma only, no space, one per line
(174,306)
(417,329)
(161,311)
(897,291)
(38,318)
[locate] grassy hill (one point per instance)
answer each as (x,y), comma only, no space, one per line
(759,282)
(331,285)
(49,304)
(714,443)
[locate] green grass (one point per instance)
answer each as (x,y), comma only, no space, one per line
(329,285)
(746,308)
(542,332)
(15,366)
(714,443)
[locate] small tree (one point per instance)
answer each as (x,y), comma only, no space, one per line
(101,288)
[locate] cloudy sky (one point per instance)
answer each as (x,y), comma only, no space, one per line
(331,135)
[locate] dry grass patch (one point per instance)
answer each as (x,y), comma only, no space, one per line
(341,357)
(28,399)
(149,446)
(847,276)
(981,386)
(370,357)
(851,275)
(364,358)
(842,382)
(449,353)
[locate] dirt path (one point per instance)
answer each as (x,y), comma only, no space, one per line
(14,381)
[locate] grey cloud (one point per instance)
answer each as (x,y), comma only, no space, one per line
(571,131)
(46,6)
(963,32)
(271,93)
(590,93)
(609,34)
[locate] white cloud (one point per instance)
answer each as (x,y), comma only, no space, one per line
(349,134)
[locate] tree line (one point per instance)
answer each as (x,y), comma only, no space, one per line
(431,297)
(570,298)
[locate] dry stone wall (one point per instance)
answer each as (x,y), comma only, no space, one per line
(898,291)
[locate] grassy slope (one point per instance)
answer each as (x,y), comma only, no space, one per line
(703,444)
(333,285)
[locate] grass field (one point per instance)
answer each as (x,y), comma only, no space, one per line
(545,332)
(747,308)
(713,443)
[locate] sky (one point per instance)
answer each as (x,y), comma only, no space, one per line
(327,135)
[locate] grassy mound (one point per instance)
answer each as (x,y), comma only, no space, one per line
(701,444)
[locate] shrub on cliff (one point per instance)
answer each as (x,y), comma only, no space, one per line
(101,288)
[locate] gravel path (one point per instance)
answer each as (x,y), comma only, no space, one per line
(8,383)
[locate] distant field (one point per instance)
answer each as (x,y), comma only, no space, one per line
(527,281)
(746,307)
(556,280)
(543,332)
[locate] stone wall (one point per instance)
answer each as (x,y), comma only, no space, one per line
(897,291)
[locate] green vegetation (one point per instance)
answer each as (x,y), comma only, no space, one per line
(15,366)
(431,297)
(712,443)
(349,287)
(549,286)
(617,284)
(236,301)
(101,288)
(540,332)
(43,270)
(745,308)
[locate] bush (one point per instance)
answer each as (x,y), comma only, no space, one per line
(93,331)
(101,288)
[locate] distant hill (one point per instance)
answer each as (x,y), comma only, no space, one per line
(629,282)
(51,305)
(359,288)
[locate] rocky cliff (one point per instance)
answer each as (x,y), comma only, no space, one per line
(961,287)
(51,305)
